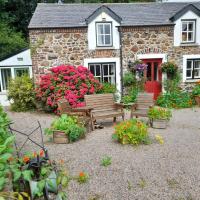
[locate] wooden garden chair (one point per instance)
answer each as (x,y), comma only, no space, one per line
(83,113)
(144,101)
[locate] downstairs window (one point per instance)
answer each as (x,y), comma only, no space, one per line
(193,69)
(104,72)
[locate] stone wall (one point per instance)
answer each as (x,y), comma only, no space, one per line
(154,39)
(51,47)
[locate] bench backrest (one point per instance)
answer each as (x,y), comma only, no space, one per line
(100,101)
(144,100)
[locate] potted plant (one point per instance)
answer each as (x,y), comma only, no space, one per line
(132,132)
(66,129)
(196,93)
(159,117)
(170,69)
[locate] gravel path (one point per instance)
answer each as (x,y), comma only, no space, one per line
(149,172)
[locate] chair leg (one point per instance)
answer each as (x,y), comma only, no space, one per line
(92,125)
(114,119)
(123,117)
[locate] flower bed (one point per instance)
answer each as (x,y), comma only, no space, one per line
(66,82)
(131,132)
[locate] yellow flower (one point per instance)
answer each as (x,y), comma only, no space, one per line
(159,138)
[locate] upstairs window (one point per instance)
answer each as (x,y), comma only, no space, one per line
(104,34)
(188,31)
(193,69)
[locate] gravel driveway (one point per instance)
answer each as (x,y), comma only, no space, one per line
(149,172)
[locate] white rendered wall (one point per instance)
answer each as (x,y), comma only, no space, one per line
(92,31)
(13,61)
(178,28)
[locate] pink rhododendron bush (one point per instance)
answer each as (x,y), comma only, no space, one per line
(68,82)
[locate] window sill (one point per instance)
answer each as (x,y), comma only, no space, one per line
(189,44)
(105,48)
(3,93)
(192,80)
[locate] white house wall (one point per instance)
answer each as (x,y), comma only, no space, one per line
(15,60)
(92,31)
(178,26)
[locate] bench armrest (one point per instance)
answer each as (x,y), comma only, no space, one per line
(119,105)
(133,106)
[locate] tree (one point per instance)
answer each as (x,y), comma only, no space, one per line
(10,40)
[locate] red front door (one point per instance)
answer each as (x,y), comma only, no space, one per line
(153,76)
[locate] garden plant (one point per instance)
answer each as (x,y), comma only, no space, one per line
(69,125)
(21,93)
(16,175)
(132,131)
(159,113)
(174,96)
(68,82)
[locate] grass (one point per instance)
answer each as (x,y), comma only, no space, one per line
(142,184)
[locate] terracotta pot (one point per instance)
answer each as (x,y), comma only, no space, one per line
(60,137)
(159,123)
(197,99)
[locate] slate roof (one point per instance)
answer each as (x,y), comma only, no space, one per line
(132,14)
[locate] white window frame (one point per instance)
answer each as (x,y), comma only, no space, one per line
(187,31)
(192,58)
(102,76)
(13,74)
(104,34)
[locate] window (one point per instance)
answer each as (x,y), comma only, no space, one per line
(188,31)
(21,71)
(104,72)
(104,34)
(10,72)
(5,77)
(193,69)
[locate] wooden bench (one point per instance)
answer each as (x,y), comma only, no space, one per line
(143,102)
(104,106)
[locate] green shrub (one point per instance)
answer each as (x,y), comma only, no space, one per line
(132,131)
(4,121)
(132,95)
(129,79)
(175,99)
(107,88)
(68,124)
(171,85)
(196,90)
(159,113)
(21,93)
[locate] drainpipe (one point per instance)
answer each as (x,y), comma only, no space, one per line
(121,61)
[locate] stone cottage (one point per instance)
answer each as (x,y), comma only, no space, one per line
(106,38)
